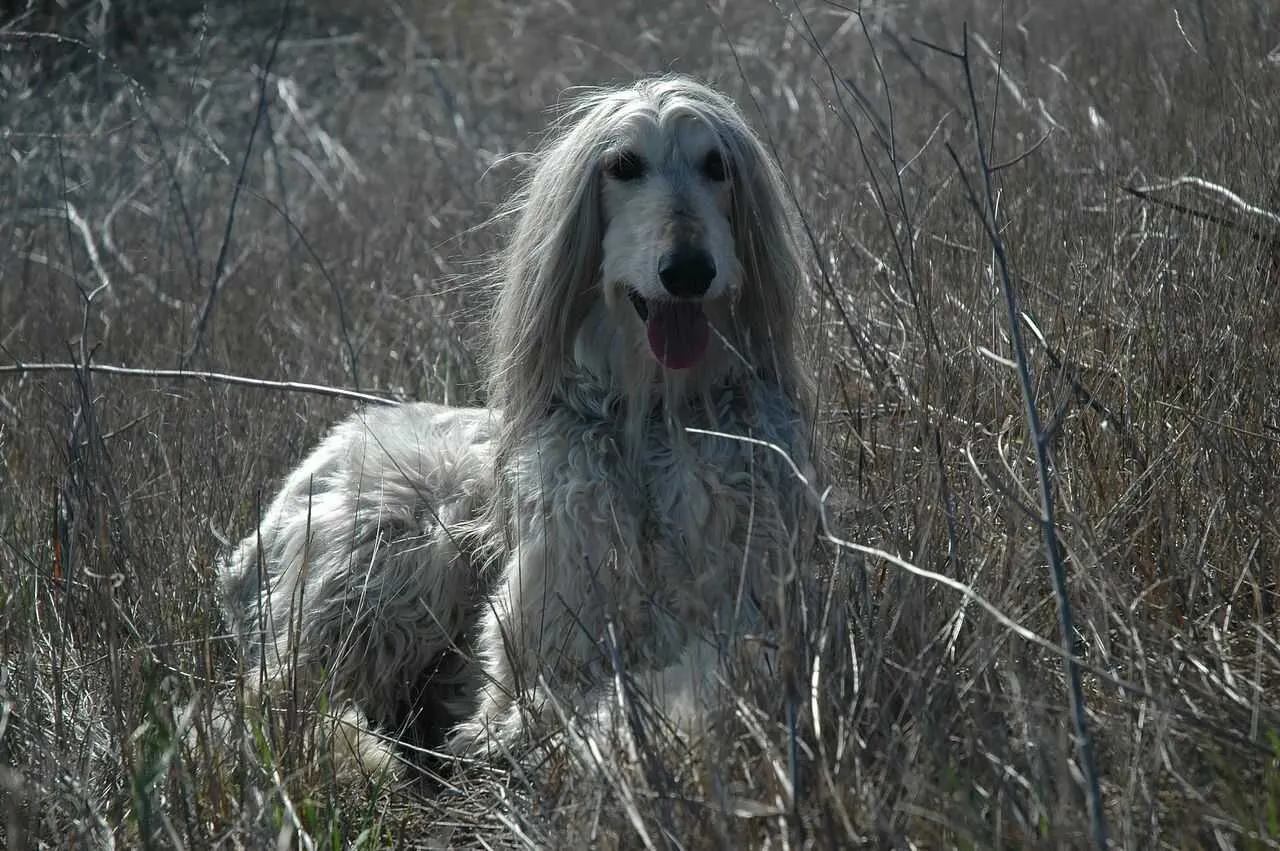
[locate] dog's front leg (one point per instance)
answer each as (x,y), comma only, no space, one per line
(538,640)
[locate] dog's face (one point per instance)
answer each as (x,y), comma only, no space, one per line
(668,246)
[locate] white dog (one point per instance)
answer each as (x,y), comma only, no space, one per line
(455,574)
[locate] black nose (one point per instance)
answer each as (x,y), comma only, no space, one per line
(686,271)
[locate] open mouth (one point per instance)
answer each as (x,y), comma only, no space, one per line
(679,333)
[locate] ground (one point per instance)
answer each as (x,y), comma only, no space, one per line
(302,192)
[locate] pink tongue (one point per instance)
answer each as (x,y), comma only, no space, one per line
(678,333)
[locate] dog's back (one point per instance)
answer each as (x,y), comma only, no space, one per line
(364,565)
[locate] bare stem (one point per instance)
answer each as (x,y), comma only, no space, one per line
(987,211)
(196,375)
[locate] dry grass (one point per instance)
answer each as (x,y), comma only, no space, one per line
(320,200)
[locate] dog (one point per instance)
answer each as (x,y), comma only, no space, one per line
(627,508)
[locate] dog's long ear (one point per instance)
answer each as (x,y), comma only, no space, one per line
(550,269)
(765,236)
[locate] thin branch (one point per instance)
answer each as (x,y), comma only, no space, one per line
(988,213)
(219,266)
(78,221)
(937,48)
(1022,156)
(343,323)
(1147,193)
(207,377)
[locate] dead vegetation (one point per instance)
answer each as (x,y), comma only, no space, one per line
(301,194)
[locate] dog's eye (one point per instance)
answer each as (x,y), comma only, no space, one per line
(713,167)
(625,166)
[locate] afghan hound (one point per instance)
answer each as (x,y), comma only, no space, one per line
(629,503)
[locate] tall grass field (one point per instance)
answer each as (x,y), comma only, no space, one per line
(1042,312)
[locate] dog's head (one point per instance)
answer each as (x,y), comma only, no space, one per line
(668,247)
(652,238)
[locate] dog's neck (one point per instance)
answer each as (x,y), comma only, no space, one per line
(634,420)
(692,403)
(612,377)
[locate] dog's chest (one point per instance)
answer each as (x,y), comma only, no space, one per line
(686,497)
(671,507)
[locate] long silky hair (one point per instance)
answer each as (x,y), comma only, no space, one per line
(549,272)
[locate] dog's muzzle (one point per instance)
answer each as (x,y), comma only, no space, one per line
(677,327)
